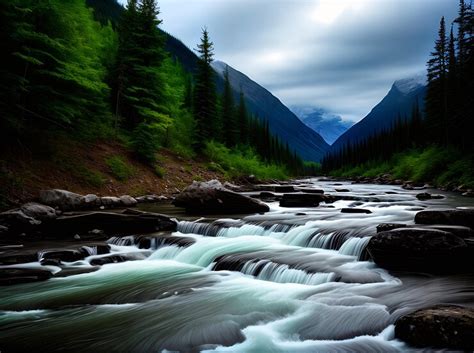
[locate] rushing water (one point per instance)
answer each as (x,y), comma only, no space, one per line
(292,280)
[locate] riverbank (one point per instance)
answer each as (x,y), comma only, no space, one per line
(300,267)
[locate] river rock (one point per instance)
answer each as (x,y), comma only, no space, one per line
(301,200)
(110,259)
(427,196)
(443,326)
(212,197)
(16,222)
(342,190)
(128,201)
(109,222)
(418,249)
(462,217)
(10,276)
(63,199)
(38,211)
(90,201)
(383,227)
(110,201)
(355,210)
(311,190)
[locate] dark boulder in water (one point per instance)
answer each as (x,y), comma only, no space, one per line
(427,196)
(450,327)
(462,217)
(10,276)
(419,250)
(211,197)
(301,200)
(355,210)
(383,227)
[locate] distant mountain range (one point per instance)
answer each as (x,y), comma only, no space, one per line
(284,123)
(399,101)
(329,126)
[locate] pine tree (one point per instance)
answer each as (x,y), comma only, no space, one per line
(205,98)
(436,97)
(242,119)
(230,132)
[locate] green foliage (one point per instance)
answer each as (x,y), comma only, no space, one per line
(245,162)
(120,168)
(144,141)
(436,165)
(159,171)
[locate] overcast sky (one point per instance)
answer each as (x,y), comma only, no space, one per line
(341,55)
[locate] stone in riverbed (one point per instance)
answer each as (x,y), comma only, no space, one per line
(311,191)
(462,217)
(427,196)
(443,326)
(419,250)
(128,201)
(10,276)
(355,210)
(63,199)
(383,227)
(38,211)
(301,200)
(212,197)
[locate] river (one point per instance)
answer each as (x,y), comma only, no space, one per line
(291,280)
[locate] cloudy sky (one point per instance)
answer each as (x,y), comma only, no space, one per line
(341,55)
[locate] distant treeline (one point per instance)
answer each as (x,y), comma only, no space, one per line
(448,117)
(104,72)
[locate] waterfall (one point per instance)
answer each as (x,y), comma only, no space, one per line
(122,241)
(270,271)
(354,246)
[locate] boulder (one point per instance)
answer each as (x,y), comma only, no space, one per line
(150,198)
(427,196)
(38,211)
(90,201)
(311,191)
(128,201)
(66,255)
(110,201)
(212,197)
(383,227)
(109,222)
(62,199)
(301,200)
(462,217)
(16,221)
(342,190)
(460,231)
(110,259)
(355,210)
(10,276)
(442,326)
(419,250)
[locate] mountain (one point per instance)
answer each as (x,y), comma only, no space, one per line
(329,126)
(284,123)
(399,101)
(307,143)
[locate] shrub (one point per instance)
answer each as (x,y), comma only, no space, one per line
(119,168)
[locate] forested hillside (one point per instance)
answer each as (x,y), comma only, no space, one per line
(433,144)
(81,72)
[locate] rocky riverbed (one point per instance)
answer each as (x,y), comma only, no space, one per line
(311,265)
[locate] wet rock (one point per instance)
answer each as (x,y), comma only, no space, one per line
(10,276)
(150,198)
(266,194)
(342,190)
(469,193)
(383,227)
(13,257)
(50,262)
(128,201)
(111,259)
(355,210)
(460,231)
(311,191)
(427,196)
(16,221)
(110,201)
(62,255)
(72,271)
(462,217)
(418,249)
(301,200)
(90,201)
(212,197)
(443,326)
(38,211)
(3,230)
(63,199)
(156,241)
(109,222)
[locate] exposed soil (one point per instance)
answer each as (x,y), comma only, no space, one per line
(82,168)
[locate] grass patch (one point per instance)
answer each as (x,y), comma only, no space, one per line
(442,167)
(119,168)
(159,171)
(236,163)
